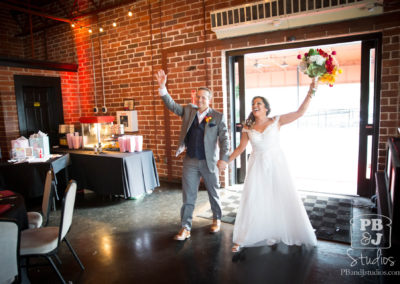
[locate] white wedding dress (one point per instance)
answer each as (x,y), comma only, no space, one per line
(270,209)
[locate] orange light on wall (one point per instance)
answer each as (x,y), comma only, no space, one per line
(193,96)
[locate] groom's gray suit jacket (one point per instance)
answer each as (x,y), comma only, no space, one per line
(215,129)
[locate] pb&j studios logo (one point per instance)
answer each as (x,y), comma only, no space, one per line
(370,232)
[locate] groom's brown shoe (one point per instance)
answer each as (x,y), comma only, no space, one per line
(182,235)
(216,226)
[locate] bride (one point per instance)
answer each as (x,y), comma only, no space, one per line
(270,209)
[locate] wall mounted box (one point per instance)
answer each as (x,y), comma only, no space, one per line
(128,119)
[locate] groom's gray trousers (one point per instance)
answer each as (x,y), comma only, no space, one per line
(193,169)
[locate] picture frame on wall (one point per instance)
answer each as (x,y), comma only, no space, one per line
(129,104)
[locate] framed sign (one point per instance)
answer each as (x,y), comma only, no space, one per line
(129,104)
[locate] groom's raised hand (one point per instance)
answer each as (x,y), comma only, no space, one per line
(161,78)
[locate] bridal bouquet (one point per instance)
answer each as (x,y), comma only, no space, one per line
(320,64)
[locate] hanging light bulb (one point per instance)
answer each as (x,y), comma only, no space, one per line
(114,24)
(130,13)
(73,25)
(101,29)
(90,31)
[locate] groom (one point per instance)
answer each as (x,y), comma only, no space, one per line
(202,126)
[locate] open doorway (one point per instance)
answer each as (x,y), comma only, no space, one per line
(330,149)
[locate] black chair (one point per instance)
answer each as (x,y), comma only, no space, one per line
(45,241)
(35,219)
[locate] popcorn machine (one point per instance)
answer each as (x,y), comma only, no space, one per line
(97,130)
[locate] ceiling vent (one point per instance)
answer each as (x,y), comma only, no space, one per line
(272,15)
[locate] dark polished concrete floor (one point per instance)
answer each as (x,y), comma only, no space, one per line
(130,241)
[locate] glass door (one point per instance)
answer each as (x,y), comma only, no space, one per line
(238,113)
(369,117)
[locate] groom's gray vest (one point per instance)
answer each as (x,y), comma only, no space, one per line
(194,140)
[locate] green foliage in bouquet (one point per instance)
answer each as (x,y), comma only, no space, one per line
(313,68)
(318,63)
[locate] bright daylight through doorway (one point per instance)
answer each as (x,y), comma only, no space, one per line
(322,146)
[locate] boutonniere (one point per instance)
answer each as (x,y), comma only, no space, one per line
(208,120)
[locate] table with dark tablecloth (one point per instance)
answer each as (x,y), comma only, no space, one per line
(17,209)
(28,178)
(115,173)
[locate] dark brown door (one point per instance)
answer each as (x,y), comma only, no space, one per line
(39,104)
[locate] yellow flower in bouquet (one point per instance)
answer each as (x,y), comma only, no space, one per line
(320,64)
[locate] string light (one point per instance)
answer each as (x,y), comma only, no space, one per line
(101,29)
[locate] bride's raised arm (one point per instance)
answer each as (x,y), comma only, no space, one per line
(243,143)
(292,116)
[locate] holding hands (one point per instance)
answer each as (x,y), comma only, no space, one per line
(221,164)
(161,78)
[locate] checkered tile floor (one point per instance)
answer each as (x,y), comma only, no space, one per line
(330,216)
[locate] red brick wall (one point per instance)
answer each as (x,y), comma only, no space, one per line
(10,45)
(390,95)
(183,44)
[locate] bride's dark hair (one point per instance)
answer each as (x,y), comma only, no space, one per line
(251,119)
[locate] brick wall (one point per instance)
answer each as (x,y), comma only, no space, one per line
(176,36)
(8,29)
(390,95)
